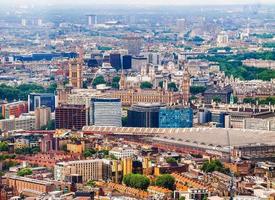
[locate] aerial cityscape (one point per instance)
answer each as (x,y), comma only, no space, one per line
(137,100)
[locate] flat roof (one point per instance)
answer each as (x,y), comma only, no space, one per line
(204,136)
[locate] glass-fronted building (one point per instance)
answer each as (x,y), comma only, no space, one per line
(105,112)
(36,100)
(175,117)
(144,115)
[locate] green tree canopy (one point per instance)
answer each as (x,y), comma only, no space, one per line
(197,89)
(213,165)
(166,181)
(172,87)
(4,146)
(99,80)
(91,183)
(89,153)
(136,181)
(115,82)
(146,85)
(24,172)
(171,160)
(217,99)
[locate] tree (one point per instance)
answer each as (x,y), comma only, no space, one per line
(89,153)
(24,172)
(213,165)
(171,160)
(216,99)
(91,183)
(182,198)
(166,181)
(136,181)
(197,89)
(146,85)
(115,82)
(4,146)
(99,80)
(172,87)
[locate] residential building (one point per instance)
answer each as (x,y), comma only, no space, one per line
(20,184)
(42,116)
(97,169)
(23,123)
(14,109)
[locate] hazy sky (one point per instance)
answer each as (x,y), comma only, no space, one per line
(150,2)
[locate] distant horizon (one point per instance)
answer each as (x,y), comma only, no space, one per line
(140,2)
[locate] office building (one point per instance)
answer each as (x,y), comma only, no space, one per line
(92,20)
(105,112)
(19,184)
(36,100)
(180,25)
(42,116)
(218,119)
(97,169)
(144,115)
(121,153)
(115,61)
(127,62)
(154,58)
(133,44)
(14,109)
(75,74)
(69,116)
(127,166)
(138,62)
(175,117)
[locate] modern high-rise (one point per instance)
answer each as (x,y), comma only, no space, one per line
(69,116)
(144,115)
(36,100)
(105,112)
(97,169)
(175,117)
(180,25)
(133,44)
(75,74)
(115,60)
(127,62)
(92,20)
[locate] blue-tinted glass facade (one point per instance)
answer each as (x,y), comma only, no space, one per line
(175,118)
(39,100)
(219,119)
